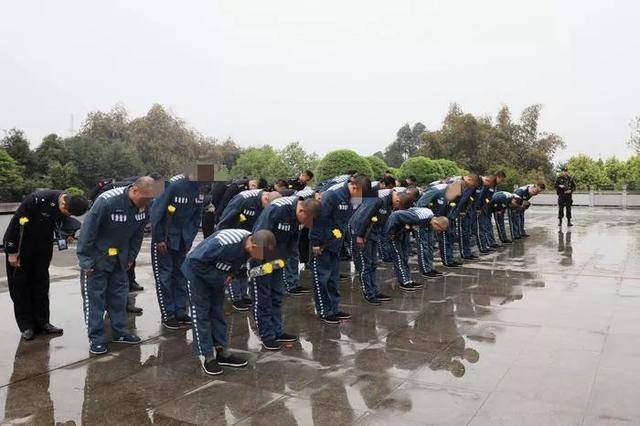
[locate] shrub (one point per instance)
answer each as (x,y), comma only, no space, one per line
(339,162)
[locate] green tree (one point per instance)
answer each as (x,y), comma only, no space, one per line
(296,159)
(339,162)
(17,146)
(588,173)
(52,149)
(378,166)
(11,181)
(449,168)
(263,162)
(407,142)
(424,169)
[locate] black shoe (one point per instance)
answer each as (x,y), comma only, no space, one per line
(28,334)
(417,285)
(454,265)
(432,274)
(507,242)
(495,246)
(134,286)
(383,297)
(129,339)
(98,348)
(372,301)
(343,315)
(171,324)
(473,256)
(184,319)
(247,301)
(525,235)
(51,329)
(134,309)
(330,320)
(560,222)
(231,361)
(569,223)
(407,287)
(298,291)
(485,251)
(287,338)
(212,367)
(240,306)
(272,345)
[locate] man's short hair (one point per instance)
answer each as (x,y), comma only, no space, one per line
(76,204)
(389,181)
(282,182)
(405,200)
(501,174)
(441,220)
(403,183)
(475,178)
(262,183)
(361,181)
(542,186)
(267,241)
(309,174)
(352,172)
(413,192)
(311,205)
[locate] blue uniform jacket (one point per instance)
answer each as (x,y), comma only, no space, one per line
(177,229)
(222,250)
(360,223)
(280,218)
(112,232)
(463,202)
(523,192)
(335,212)
(500,201)
(323,186)
(415,216)
(249,204)
(484,197)
(434,198)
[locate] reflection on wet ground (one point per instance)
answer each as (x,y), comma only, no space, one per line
(543,332)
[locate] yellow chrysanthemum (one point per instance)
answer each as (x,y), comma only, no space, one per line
(171,209)
(267,268)
(23,220)
(374,219)
(242,217)
(337,233)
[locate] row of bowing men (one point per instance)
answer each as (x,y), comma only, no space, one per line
(257,237)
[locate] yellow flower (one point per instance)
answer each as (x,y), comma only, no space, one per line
(267,268)
(23,220)
(337,233)
(112,251)
(280,263)
(472,199)
(374,219)
(407,226)
(452,204)
(171,209)
(242,217)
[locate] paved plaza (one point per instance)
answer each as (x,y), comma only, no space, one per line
(545,331)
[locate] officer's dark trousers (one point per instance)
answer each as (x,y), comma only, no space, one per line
(400,254)
(29,290)
(445,243)
(425,249)
(365,260)
(291,269)
(205,286)
(267,292)
(131,273)
(499,218)
(464,235)
(564,202)
(326,277)
(170,283)
(105,291)
(208,223)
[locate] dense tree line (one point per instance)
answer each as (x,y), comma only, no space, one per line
(111,144)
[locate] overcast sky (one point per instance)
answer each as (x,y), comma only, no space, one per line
(330,74)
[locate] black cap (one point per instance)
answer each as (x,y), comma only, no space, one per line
(77,205)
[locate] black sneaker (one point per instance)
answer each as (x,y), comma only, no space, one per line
(298,291)
(372,301)
(240,306)
(330,320)
(495,246)
(286,338)
(343,315)
(560,222)
(129,339)
(569,223)
(131,309)
(525,235)
(212,367)
(184,319)
(231,361)
(407,287)
(383,297)
(28,334)
(247,301)
(134,286)
(272,345)
(171,324)
(453,265)
(98,348)
(416,284)
(507,242)
(432,274)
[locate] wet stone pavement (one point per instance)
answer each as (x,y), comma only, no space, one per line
(546,331)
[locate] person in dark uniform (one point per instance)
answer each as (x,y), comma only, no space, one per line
(565,185)
(208,270)
(28,244)
(301,182)
(175,219)
(109,243)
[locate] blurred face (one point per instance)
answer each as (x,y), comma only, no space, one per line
(265,199)
(395,201)
(355,190)
(488,181)
(253,184)
(62,206)
(499,180)
(304,217)
(453,191)
(534,190)
(303,178)
(565,173)
(139,197)
(253,250)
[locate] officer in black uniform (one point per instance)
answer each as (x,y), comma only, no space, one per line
(28,244)
(565,186)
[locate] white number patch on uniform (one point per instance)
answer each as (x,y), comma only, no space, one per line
(223,266)
(284,227)
(249,212)
(180,200)
(343,206)
(140,216)
(115,217)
